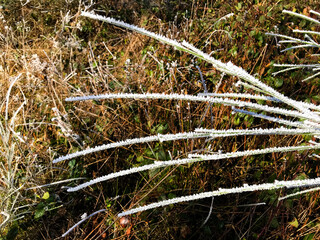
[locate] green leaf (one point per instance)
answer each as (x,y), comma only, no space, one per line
(94,64)
(278,82)
(171,196)
(236,121)
(139,159)
(72,163)
(274,223)
(302,176)
(46,195)
(153,172)
(309,237)
(40,211)
(13,232)
(162,155)
(238,7)
(294,223)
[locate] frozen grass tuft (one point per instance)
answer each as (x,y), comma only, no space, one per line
(225,191)
(308,41)
(299,118)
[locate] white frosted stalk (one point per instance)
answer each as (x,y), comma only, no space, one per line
(8,95)
(285,70)
(294,40)
(81,221)
(300,46)
(224,18)
(240,95)
(234,70)
(140,30)
(306,31)
(305,104)
(225,191)
(287,41)
(228,68)
(201,133)
(310,39)
(55,183)
(309,78)
(229,102)
(7,218)
(105,147)
(192,159)
(130,27)
(314,12)
(272,119)
(299,193)
(301,16)
(180,136)
(250,86)
(311,124)
(296,65)
(205,157)
(127,142)
(157,164)
(258,131)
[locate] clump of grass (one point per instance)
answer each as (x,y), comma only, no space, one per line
(10,190)
(285,113)
(27,134)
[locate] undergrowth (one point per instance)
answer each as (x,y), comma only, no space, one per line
(60,54)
